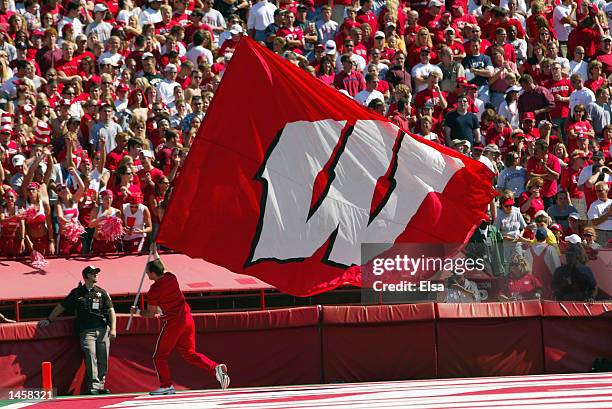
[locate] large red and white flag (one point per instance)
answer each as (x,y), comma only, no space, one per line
(288,177)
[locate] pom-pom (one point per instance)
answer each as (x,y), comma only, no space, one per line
(73,231)
(111,228)
(30,213)
(37,260)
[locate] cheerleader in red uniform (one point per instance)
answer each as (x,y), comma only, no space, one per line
(12,235)
(39,227)
(67,210)
(107,222)
(137,221)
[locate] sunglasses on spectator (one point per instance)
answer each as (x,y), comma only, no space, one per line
(537,186)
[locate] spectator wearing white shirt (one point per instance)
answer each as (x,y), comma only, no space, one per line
(421,71)
(214,19)
(578,65)
(165,88)
(326,27)
(151,14)
(114,44)
(600,214)
(101,28)
(261,16)
(358,61)
(197,51)
(581,94)
(370,93)
(71,17)
(564,21)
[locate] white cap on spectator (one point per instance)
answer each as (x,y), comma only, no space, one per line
(18,160)
(80,37)
(345,92)
(105,61)
(330,47)
(573,238)
(147,55)
(171,67)
(236,29)
(147,153)
(379,34)
(100,8)
(435,3)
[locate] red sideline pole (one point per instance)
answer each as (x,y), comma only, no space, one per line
(47,381)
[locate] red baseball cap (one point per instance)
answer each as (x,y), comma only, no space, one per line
(528,115)
(134,198)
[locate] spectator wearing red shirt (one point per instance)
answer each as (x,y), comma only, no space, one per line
(501,41)
(431,17)
(348,79)
(500,134)
(530,132)
(535,98)
(596,80)
(588,34)
(114,157)
(165,154)
(149,174)
(578,126)
(530,201)
(5,13)
(433,95)
(547,167)
(67,67)
(522,285)
(366,15)
(454,44)
(561,88)
(397,74)
(504,21)
(401,116)
(569,176)
(291,33)
(125,184)
(460,18)
(475,32)
(178,328)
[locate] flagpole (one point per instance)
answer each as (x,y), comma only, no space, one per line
(135,304)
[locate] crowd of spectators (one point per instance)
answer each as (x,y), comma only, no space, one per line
(100,102)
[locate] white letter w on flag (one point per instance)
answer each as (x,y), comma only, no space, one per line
(319,181)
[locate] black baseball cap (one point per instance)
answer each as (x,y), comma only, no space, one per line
(90,270)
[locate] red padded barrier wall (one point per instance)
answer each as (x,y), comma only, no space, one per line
(261,348)
(371,343)
(24,346)
(472,343)
(575,334)
(376,343)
